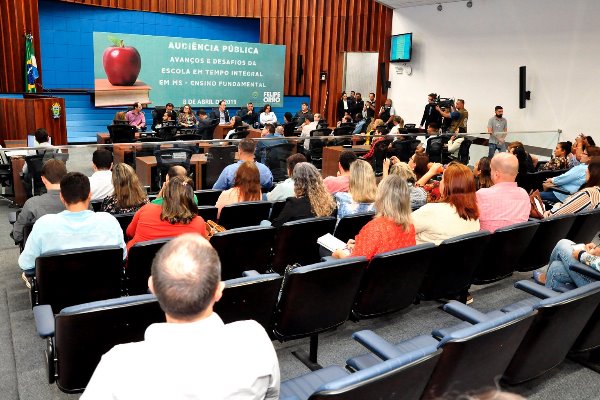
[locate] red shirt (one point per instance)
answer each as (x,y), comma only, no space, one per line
(380,235)
(147,225)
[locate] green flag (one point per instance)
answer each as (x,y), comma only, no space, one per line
(31,71)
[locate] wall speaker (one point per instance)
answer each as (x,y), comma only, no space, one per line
(524,94)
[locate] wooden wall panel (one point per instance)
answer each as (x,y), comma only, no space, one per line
(319,30)
(18,117)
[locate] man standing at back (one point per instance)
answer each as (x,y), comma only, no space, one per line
(497,128)
(76,227)
(504,203)
(194,355)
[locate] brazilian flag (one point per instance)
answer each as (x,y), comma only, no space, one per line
(31,71)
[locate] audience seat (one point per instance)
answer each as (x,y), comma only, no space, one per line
(242,249)
(252,297)
(33,179)
(503,251)
(139,264)
(586,349)
(96,205)
(67,277)
(296,242)
(400,378)
(124,220)
(585,227)
(167,158)
(217,158)
(452,266)
(560,320)
(207,197)
(208,213)
(248,213)
(533,180)
(549,232)
(276,160)
(121,133)
(276,209)
(79,335)
(392,281)
(314,299)
(473,356)
(348,227)
(315,146)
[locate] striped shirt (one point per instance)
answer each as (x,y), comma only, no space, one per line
(586,199)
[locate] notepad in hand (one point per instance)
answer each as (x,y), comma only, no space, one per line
(330,242)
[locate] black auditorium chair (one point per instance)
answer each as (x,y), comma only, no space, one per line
(243,249)
(248,213)
(585,227)
(139,263)
(559,321)
(349,226)
(167,133)
(250,297)
(503,251)
(276,160)
(435,147)
(379,154)
(315,147)
(121,133)
(208,213)
(463,152)
(473,356)
(314,299)
(296,241)
(549,232)
(533,180)
(403,149)
(207,197)
(68,277)
(96,205)
(289,129)
(452,266)
(166,158)
(124,220)
(276,209)
(586,349)
(399,378)
(392,281)
(239,133)
(80,335)
(217,158)
(33,179)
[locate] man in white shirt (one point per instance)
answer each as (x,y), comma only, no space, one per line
(194,355)
(310,125)
(101,180)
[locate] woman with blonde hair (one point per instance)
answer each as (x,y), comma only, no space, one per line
(120,118)
(246,187)
(178,214)
(418,195)
(372,129)
(455,214)
(311,197)
(128,196)
(392,227)
(361,191)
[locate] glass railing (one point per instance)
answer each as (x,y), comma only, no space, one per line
(209,157)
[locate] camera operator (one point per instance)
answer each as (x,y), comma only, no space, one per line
(431,114)
(387,113)
(458,115)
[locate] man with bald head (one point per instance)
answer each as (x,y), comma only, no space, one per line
(194,355)
(504,203)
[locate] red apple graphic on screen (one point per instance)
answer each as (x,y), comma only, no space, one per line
(122,64)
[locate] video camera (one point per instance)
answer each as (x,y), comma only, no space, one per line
(443,102)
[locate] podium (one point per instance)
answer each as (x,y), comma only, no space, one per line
(22,116)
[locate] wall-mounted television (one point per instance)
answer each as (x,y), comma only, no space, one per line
(401,48)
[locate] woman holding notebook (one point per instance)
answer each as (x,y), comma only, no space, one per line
(391,229)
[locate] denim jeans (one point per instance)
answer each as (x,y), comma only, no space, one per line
(549,196)
(496,146)
(559,273)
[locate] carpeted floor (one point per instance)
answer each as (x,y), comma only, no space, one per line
(23,373)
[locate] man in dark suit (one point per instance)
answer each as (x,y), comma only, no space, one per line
(220,114)
(248,115)
(204,123)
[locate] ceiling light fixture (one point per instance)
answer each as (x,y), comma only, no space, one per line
(439,7)
(469,4)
